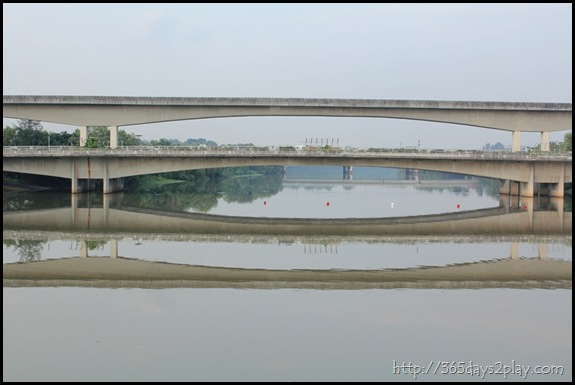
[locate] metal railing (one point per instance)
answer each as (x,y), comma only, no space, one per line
(239,151)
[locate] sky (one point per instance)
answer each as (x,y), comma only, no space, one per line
(468,52)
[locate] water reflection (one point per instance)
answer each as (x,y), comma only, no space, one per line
(269,196)
(110,214)
(162,292)
(115,271)
(105,225)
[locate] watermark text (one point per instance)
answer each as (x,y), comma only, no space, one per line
(470,368)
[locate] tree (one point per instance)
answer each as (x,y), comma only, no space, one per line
(98,136)
(64,138)
(161,142)
(28,133)
(567,140)
(564,146)
(9,136)
(127,139)
(200,141)
(26,124)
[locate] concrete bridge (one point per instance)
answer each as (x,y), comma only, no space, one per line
(86,111)
(520,174)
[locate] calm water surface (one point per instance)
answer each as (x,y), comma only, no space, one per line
(91,295)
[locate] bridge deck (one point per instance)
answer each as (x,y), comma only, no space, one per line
(275,102)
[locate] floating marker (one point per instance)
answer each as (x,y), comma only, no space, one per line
(458,205)
(265,203)
(327,204)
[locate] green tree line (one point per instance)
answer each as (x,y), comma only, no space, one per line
(32,133)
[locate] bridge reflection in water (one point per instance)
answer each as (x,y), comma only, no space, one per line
(512,216)
(511,222)
(131,273)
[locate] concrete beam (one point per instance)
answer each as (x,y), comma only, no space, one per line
(122,111)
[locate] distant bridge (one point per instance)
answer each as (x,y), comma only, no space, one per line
(112,112)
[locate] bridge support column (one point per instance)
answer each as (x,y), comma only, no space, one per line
(510,202)
(542,189)
(545,141)
(559,205)
(74,208)
(110,185)
(113,136)
(542,250)
(505,201)
(113,248)
(347,172)
(516,141)
(75,184)
(111,201)
(557,190)
(528,188)
(82,185)
(79,185)
(412,174)
(84,250)
(509,187)
(83,136)
(528,205)
(514,250)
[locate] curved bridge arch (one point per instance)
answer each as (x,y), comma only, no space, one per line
(85,111)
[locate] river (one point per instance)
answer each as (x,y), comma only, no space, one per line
(290,280)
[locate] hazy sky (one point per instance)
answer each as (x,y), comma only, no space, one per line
(477,52)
